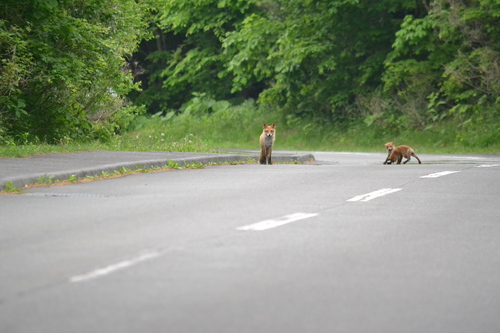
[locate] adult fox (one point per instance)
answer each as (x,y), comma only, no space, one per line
(397,154)
(266,143)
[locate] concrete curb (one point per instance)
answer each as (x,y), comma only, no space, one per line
(26,180)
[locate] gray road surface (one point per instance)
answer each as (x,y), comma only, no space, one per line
(343,244)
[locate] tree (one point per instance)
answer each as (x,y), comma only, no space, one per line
(186,57)
(318,55)
(451,57)
(310,57)
(70,57)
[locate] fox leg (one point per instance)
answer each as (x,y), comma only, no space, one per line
(269,151)
(407,158)
(262,157)
(388,155)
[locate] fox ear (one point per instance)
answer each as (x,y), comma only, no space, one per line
(265,125)
(273,125)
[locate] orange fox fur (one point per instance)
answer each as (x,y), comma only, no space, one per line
(397,154)
(266,143)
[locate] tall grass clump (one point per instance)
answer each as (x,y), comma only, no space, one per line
(205,127)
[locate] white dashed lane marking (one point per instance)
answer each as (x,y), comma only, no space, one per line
(115,267)
(375,194)
(110,269)
(439,174)
(273,223)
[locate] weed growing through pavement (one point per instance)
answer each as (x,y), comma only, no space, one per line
(10,188)
(194,165)
(46,180)
(173,165)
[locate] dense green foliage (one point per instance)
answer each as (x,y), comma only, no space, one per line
(447,64)
(62,66)
(86,69)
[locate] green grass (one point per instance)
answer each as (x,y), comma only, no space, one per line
(240,128)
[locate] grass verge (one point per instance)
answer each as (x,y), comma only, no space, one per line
(240,127)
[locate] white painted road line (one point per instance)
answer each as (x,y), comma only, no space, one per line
(273,223)
(375,194)
(115,267)
(439,174)
(488,165)
(100,272)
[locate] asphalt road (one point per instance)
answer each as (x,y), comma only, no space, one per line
(344,244)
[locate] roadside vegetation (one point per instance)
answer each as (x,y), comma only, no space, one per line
(190,75)
(239,128)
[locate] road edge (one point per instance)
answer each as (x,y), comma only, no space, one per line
(20,182)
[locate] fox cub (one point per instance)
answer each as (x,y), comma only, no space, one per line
(397,154)
(266,143)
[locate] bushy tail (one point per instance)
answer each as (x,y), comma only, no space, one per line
(415,155)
